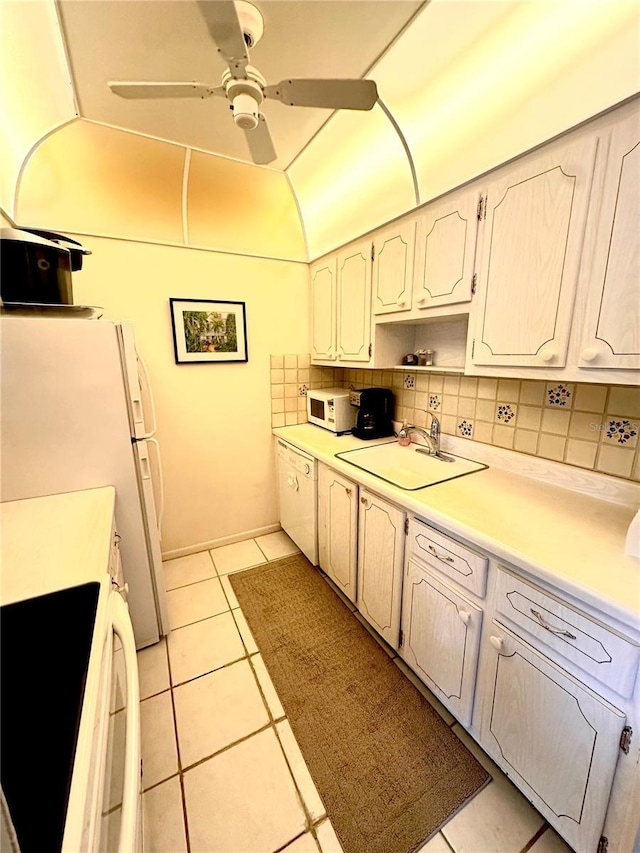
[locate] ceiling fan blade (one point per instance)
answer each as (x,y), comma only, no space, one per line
(222,21)
(333,94)
(140,89)
(260,143)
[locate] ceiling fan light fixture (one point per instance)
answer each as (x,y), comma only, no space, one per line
(245,111)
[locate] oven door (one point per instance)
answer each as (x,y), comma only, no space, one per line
(121,812)
(107,815)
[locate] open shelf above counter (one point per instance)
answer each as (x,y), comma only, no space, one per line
(433,368)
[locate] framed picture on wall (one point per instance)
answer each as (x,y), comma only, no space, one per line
(208,330)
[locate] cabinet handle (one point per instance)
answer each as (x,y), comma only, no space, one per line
(547,355)
(422,300)
(464,616)
(497,643)
(589,354)
(559,631)
(402,302)
(348,491)
(442,557)
(364,501)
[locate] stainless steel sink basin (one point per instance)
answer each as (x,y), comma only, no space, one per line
(410,467)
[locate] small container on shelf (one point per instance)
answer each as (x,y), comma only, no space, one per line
(425,357)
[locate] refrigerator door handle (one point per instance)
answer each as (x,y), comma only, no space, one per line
(130,362)
(148,501)
(144,376)
(160,508)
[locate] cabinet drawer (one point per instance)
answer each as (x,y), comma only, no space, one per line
(453,559)
(594,648)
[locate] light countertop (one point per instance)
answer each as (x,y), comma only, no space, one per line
(54,542)
(570,540)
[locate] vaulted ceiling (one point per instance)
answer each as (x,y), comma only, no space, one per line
(168,40)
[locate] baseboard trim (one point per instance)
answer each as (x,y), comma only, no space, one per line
(217,543)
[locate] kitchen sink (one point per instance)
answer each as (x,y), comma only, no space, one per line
(410,467)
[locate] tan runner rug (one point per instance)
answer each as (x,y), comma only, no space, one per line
(389,770)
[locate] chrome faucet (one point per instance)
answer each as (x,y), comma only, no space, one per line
(432,437)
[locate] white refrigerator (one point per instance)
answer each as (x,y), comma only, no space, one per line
(76,412)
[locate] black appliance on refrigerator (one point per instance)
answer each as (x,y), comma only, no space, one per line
(375,412)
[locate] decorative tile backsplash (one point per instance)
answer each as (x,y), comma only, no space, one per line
(589,426)
(291,377)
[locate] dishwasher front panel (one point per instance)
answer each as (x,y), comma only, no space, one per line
(298,498)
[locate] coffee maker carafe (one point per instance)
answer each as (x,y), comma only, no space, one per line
(375,412)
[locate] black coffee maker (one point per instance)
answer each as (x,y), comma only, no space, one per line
(375,412)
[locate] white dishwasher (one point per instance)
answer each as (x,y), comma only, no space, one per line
(298,497)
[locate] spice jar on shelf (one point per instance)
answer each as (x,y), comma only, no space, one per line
(425,357)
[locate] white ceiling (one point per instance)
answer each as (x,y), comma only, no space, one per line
(167,40)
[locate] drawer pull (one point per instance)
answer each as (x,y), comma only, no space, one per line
(559,631)
(348,492)
(464,616)
(364,501)
(440,556)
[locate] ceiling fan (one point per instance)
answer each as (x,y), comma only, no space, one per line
(235,27)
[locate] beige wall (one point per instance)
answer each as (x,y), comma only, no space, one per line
(214,420)
(101,180)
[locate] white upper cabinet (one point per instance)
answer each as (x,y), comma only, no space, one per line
(323,309)
(535,214)
(611,331)
(393,268)
(354,303)
(445,251)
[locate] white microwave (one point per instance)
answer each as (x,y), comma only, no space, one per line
(330,408)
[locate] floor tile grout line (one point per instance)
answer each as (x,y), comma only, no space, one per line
(214,577)
(200,675)
(213,563)
(307,813)
(183,794)
(309,822)
(536,837)
(204,619)
(227,747)
(446,840)
(260,549)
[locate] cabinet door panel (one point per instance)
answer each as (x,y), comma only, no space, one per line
(445,251)
(441,632)
(354,303)
(558,740)
(532,243)
(323,308)
(380,555)
(338,529)
(393,269)
(612,328)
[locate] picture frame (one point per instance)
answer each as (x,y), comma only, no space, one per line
(208,330)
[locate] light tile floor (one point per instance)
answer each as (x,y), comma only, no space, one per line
(222,770)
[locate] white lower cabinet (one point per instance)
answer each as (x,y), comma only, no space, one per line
(548,691)
(380,562)
(440,638)
(338,529)
(556,739)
